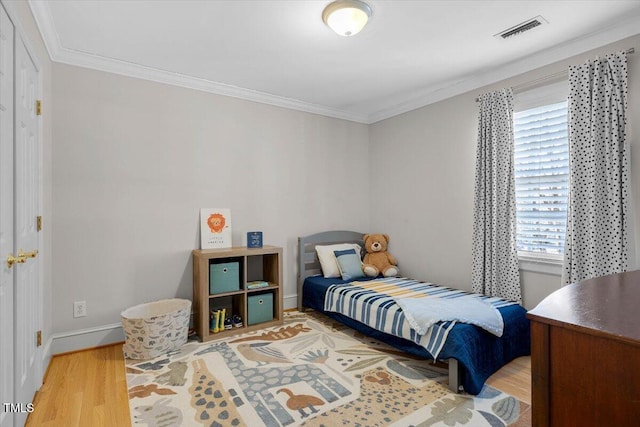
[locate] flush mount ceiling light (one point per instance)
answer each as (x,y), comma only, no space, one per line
(346,17)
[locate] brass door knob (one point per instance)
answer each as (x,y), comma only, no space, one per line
(15,260)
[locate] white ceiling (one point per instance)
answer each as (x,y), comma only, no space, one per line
(411,53)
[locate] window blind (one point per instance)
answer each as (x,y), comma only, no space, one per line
(541,154)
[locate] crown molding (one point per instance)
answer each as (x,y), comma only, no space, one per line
(427,96)
(44,20)
(627,28)
(110,65)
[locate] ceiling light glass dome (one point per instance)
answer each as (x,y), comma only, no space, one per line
(346,17)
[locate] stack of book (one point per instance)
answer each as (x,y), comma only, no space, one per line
(255,284)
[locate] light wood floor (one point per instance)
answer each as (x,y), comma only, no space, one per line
(88,388)
(514,379)
(85,388)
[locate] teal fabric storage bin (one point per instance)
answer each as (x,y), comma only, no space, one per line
(224,277)
(259,308)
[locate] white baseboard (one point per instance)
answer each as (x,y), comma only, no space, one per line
(86,338)
(290,301)
(102,335)
(46,356)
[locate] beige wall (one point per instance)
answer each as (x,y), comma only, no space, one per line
(134,161)
(422,180)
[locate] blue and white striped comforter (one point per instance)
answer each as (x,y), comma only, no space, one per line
(373,304)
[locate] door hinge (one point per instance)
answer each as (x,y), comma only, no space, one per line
(38,108)
(39,223)
(39,338)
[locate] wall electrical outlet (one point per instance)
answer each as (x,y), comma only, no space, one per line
(79,308)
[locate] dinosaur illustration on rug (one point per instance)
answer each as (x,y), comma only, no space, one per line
(300,402)
(159,414)
(214,405)
(281,334)
(384,399)
(175,375)
(256,383)
(304,374)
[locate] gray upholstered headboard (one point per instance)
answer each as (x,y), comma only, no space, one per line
(308,264)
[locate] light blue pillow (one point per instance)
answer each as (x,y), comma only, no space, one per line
(349,264)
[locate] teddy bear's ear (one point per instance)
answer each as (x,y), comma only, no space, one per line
(365,237)
(386,237)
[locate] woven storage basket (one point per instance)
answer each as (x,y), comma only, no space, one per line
(155,328)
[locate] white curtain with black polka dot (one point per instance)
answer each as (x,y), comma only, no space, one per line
(598,218)
(495,256)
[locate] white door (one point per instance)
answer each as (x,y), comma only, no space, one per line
(27,291)
(6,218)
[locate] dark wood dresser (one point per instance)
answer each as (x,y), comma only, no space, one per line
(585,354)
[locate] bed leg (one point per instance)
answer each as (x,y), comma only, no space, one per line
(455,376)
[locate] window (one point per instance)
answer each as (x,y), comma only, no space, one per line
(541,179)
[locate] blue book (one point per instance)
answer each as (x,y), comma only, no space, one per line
(254,239)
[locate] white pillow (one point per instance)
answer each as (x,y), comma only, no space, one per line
(328,260)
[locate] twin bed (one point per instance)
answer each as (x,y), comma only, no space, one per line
(472,353)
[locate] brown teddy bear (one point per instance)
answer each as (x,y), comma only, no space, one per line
(377,260)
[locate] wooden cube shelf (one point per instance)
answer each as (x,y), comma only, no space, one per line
(260,264)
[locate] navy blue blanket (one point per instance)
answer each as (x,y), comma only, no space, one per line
(479,352)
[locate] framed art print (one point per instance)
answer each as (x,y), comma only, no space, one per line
(215,228)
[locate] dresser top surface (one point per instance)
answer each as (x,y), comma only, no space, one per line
(606,306)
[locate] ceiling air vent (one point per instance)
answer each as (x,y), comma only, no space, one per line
(522,27)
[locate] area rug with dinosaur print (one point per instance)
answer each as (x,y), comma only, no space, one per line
(311,371)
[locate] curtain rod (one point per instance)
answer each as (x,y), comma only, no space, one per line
(550,77)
